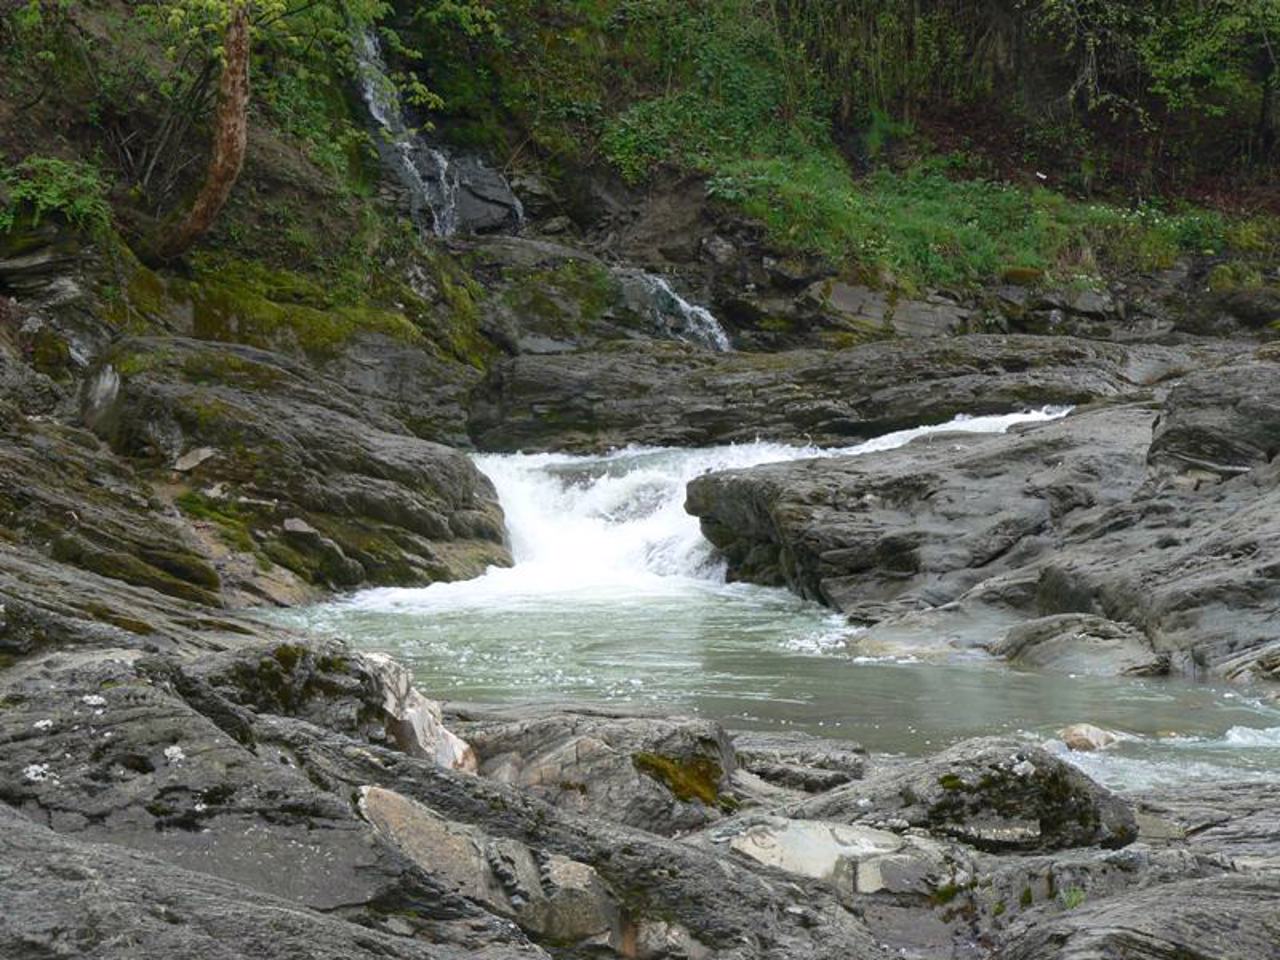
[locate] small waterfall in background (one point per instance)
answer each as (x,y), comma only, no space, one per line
(671,313)
(438,185)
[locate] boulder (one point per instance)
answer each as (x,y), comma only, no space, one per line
(1209,919)
(550,896)
(993,794)
(921,525)
(1086,738)
(365,500)
(1081,643)
(661,775)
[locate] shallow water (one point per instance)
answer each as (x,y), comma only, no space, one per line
(616,597)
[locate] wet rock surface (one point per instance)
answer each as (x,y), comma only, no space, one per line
(660,775)
(376,504)
(1083,545)
(667,394)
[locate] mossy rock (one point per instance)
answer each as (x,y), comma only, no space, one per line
(118,565)
(695,779)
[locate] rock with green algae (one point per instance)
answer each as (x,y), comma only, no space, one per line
(337,492)
(62,491)
(992,794)
(664,775)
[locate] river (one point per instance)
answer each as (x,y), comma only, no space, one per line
(615,597)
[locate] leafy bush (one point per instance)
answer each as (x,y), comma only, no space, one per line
(41,186)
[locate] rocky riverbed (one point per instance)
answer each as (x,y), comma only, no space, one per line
(181,775)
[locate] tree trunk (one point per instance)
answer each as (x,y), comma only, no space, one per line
(230,137)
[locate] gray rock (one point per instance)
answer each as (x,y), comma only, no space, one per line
(1081,643)
(992,794)
(921,525)
(1219,423)
(64,896)
(148,754)
(960,538)
(1206,919)
(852,858)
(935,317)
(550,896)
(798,761)
(387,507)
(666,394)
(1235,819)
(681,899)
(661,775)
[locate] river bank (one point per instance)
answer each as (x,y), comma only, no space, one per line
(637,543)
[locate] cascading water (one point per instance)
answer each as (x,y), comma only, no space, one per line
(615,596)
(672,314)
(431,177)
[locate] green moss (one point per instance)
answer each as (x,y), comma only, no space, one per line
(999,909)
(696,779)
(1027,898)
(952,781)
(105,614)
(135,364)
(233,523)
(289,655)
(1072,898)
(238,301)
(945,894)
(117,565)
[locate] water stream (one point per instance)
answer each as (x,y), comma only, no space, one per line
(429,175)
(615,597)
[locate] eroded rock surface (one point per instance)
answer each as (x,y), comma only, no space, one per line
(661,775)
(370,502)
(1080,545)
(991,794)
(668,394)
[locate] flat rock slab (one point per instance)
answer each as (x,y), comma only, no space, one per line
(665,394)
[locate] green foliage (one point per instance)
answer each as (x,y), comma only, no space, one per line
(1073,897)
(920,228)
(46,185)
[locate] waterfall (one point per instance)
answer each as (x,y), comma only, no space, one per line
(433,179)
(672,314)
(616,526)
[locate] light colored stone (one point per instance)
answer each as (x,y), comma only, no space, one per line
(548,895)
(414,721)
(300,527)
(193,458)
(855,859)
(1085,737)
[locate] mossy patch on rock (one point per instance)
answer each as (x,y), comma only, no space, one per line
(117,565)
(689,779)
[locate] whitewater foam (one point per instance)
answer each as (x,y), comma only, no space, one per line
(615,526)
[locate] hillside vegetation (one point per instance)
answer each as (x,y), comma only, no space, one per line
(934,143)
